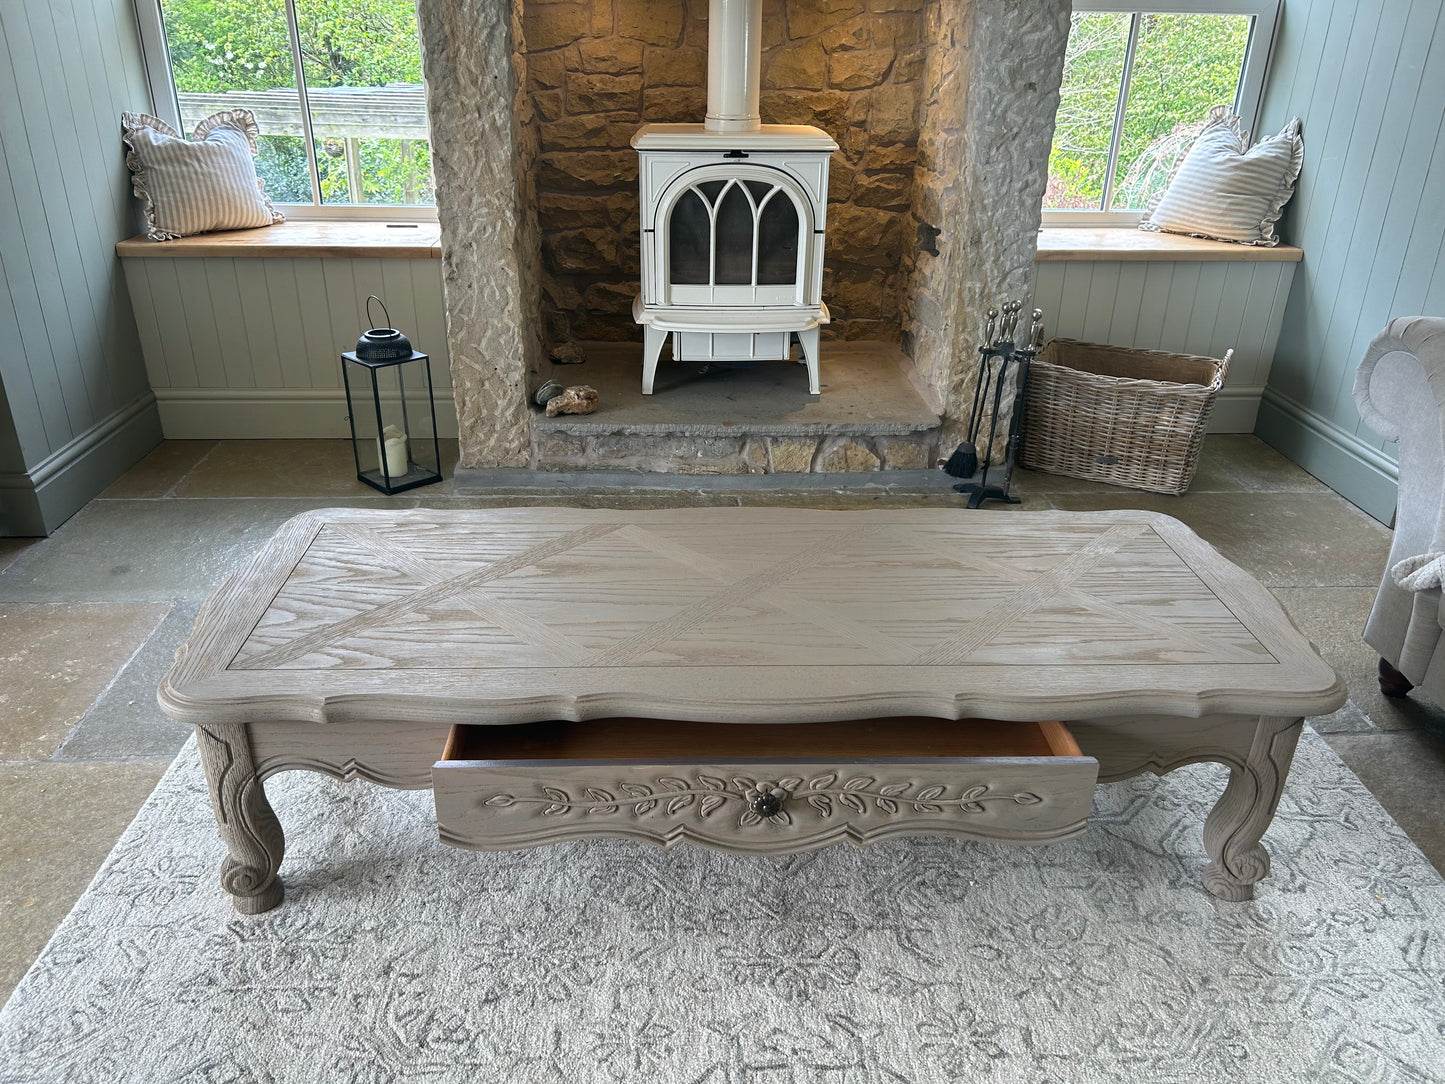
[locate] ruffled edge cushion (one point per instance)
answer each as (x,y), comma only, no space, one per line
(1222,115)
(241,120)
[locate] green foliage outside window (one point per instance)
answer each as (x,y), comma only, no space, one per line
(1183,65)
(220,46)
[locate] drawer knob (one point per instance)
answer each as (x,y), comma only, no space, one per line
(766,804)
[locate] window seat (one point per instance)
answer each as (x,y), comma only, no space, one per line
(334,240)
(1128,243)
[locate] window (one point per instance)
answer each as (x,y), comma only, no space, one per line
(1137,87)
(335,85)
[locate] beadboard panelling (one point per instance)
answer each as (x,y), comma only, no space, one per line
(1188,307)
(249,346)
(71,368)
(1368,79)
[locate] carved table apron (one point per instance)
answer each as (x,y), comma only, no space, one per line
(388,645)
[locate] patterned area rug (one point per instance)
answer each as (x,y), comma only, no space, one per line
(397,959)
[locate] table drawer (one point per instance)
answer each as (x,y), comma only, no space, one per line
(761,789)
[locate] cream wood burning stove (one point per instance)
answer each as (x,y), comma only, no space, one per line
(733,214)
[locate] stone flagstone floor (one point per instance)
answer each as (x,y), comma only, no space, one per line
(92,616)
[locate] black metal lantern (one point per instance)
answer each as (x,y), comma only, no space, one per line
(393,431)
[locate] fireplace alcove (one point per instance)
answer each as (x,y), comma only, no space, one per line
(942,112)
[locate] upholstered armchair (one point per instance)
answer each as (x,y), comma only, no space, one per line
(1400,390)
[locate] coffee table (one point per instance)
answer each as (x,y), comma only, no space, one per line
(758,680)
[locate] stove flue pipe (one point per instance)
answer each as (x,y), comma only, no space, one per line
(734,61)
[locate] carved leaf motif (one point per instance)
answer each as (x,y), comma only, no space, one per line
(1025,798)
(645,807)
(893,790)
(712,782)
(821,803)
(853,802)
(681,802)
(888,805)
(750,819)
(978,790)
(551,809)
(708,804)
(863,782)
(790,783)
(823,781)
(743,783)
(927,807)
(557,795)
(597,794)
(637,790)
(972,807)
(501,800)
(671,782)
(935,791)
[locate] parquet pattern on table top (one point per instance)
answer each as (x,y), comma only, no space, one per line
(992,590)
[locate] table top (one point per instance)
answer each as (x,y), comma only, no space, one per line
(740,615)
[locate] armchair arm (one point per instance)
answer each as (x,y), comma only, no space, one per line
(1400,392)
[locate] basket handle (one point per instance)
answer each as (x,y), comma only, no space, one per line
(1222,370)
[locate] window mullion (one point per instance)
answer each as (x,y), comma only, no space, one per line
(156,57)
(1118,136)
(293,28)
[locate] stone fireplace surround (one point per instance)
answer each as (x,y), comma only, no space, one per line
(942,168)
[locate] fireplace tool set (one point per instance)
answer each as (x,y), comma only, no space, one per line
(998,354)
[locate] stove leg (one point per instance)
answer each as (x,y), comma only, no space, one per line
(808,340)
(652,340)
(1236,824)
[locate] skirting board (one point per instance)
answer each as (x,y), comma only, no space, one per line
(269,413)
(1236,410)
(38,501)
(1363,475)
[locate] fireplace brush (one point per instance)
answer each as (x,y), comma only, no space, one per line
(997,355)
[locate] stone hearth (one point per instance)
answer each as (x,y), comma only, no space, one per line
(743,419)
(942,109)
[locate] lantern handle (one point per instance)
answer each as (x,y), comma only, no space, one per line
(379,301)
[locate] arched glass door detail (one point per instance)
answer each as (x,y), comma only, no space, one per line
(735,240)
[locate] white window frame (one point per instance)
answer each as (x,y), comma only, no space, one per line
(1247,99)
(166,105)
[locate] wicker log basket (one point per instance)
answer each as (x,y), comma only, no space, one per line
(1118,414)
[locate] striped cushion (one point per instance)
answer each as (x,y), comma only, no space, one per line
(192,187)
(1226,190)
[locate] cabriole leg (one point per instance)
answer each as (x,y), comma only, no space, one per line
(1237,823)
(652,340)
(244,818)
(808,341)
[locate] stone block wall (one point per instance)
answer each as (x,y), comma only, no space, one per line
(598,70)
(991,89)
(562,446)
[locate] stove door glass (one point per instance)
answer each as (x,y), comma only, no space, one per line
(735,237)
(689,241)
(778,241)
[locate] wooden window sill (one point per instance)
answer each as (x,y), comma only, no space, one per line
(326,240)
(1116,243)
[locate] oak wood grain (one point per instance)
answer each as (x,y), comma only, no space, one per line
(323,240)
(740,615)
(1128,244)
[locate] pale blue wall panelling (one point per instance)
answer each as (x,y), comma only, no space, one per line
(249,346)
(76,388)
(1181,306)
(1368,79)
